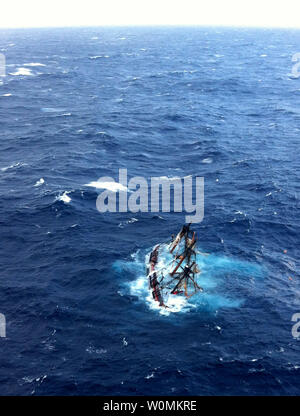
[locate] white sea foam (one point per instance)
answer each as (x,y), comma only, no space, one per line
(169,178)
(131,221)
(174,303)
(99,56)
(14,165)
(92,350)
(6,95)
(64,197)
(111,186)
(214,269)
(34,64)
(52,110)
(207,160)
(22,71)
(140,288)
(40,182)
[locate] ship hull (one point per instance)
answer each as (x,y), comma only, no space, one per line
(152,275)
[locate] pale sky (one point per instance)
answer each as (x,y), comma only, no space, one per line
(45,13)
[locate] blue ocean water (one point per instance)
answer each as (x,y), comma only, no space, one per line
(78,104)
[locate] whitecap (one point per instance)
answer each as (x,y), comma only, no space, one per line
(99,56)
(34,64)
(93,350)
(111,186)
(52,110)
(28,379)
(14,165)
(22,71)
(64,197)
(169,178)
(131,221)
(207,160)
(6,95)
(40,182)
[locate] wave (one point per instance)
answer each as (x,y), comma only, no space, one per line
(22,71)
(111,186)
(14,165)
(124,223)
(207,160)
(34,64)
(64,197)
(52,110)
(99,56)
(40,182)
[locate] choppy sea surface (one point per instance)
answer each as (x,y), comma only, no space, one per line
(78,104)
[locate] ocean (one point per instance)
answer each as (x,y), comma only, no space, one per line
(80,104)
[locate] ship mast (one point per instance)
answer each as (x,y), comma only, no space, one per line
(186,276)
(182,270)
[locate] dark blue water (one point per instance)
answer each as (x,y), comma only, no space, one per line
(80,104)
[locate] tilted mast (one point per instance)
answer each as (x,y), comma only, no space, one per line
(183,279)
(179,277)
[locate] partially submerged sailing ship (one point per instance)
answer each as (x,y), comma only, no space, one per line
(179,275)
